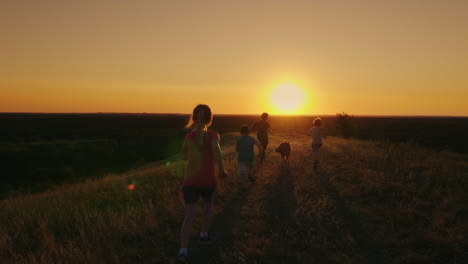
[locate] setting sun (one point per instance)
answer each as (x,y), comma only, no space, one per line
(288,98)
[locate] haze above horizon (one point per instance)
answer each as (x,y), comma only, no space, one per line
(366,58)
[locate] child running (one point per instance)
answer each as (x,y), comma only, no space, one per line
(202,151)
(317,137)
(262,127)
(245,148)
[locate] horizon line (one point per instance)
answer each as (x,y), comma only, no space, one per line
(305,115)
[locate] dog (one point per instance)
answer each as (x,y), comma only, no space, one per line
(284,149)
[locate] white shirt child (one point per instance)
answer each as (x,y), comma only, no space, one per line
(316,133)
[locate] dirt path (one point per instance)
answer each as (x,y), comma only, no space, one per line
(222,228)
(264,222)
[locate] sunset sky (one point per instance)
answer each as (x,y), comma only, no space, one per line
(364,57)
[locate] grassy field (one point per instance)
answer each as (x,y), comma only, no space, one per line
(369,202)
(43,151)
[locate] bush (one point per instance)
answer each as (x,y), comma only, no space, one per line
(345,124)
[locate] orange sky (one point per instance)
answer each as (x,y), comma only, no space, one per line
(364,57)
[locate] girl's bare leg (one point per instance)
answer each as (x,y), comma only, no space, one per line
(207,215)
(190,210)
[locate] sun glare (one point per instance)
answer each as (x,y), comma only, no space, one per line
(288,98)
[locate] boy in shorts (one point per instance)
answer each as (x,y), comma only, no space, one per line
(246,157)
(316,132)
(263,128)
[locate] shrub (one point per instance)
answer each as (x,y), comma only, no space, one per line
(345,124)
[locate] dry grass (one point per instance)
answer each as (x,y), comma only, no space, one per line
(92,221)
(404,203)
(368,202)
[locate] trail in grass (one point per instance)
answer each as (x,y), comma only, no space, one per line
(253,225)
(263,223)
(223,229)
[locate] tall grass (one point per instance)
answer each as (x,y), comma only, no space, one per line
(103,221)
(92,221)
(393,203)
(409,202)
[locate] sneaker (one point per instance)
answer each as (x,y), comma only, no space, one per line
(182,258)
(206,240)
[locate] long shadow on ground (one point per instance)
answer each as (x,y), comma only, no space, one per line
(367,248)
(222,228)
(281,205)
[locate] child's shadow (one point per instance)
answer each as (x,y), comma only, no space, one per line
(223,226)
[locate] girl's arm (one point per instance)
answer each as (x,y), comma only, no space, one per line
(218,157)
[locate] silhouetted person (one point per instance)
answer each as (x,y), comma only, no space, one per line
(262,127)
(317,137)
(202,151)
(246,157)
